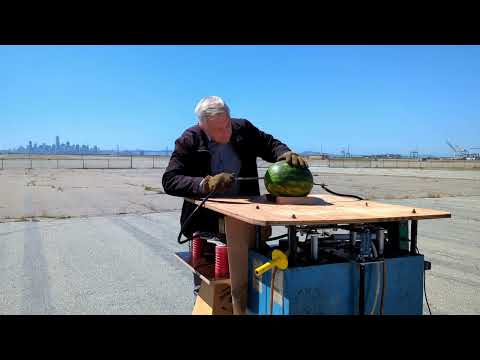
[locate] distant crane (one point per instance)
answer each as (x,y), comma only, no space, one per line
(462,153)
(475,156)
(347,153)
(414,153)
(458,151)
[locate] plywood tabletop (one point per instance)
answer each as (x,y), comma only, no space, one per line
(322,209)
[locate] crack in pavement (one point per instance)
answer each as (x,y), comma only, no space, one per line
(151,242)
(36,297)
(474,284)
(47,218)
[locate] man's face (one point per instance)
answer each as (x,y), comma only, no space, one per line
(218,127)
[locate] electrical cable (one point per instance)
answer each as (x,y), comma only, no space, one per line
(424,286)
(190,217)
(246,179)
(277,237)
(324,187)
(384,283)
(384,266)
(425,292)
(375,254)
(272,288)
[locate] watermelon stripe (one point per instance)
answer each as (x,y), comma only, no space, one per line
(282,179)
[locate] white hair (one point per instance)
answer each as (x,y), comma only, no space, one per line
(211,105)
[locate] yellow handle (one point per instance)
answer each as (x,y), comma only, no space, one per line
(263,268)
(279,260)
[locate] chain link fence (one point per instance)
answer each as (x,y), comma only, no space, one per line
(161,162)
(403,164)
(84,162)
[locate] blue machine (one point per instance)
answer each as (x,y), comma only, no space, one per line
(358,284)
(334,289)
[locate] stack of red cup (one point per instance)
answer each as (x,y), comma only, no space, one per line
(221,261)
(197,248)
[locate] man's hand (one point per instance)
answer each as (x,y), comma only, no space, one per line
(293,159)
(219,182)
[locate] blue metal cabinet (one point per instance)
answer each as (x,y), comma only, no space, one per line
(333,289)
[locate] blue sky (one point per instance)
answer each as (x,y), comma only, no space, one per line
(373,98)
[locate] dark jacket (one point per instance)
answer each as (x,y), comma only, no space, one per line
(190,163)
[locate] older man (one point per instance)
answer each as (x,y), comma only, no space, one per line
(209,155)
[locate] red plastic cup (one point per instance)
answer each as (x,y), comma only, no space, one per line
(221,261)
(197,249)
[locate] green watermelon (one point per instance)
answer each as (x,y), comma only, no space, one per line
(282,179)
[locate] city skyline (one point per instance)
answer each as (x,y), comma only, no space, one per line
(66,148)
(57,147)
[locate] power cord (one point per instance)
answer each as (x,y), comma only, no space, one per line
(425,292)
(272,288)
(424,286)
(190,217)
(384,284)
(324,187)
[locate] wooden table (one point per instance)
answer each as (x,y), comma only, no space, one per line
(243,214)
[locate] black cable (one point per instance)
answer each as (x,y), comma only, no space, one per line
(277,237)
(384,280)
(324,187)
(424,285)
(196,209)
(213,191)
(425,291)
(190,217)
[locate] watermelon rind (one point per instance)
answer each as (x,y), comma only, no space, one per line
(283,179)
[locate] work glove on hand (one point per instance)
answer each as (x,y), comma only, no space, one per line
(293,159)
(219,182)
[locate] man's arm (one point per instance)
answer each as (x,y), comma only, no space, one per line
(268,148)
(175,180)
(273,150)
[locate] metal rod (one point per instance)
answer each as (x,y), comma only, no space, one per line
(258,235)
(248,178)
(380,241)
(353,238)
(361,299)
(272,289)
(314,246)
(384,287)
(292,244)
(413,235)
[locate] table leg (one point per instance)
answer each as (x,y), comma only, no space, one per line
(240,237)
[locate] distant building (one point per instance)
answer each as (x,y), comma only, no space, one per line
(56,148)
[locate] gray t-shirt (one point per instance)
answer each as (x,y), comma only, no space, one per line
(225,159)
